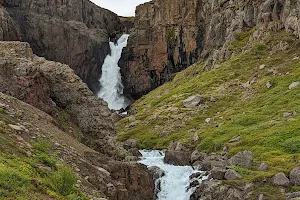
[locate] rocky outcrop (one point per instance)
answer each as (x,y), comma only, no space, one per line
(97,175)
(73,32)
(52,86)
(216,190)
(171,35)
(8,29)
(163,42)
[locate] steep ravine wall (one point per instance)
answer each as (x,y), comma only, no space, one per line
(170,35)
(73,32)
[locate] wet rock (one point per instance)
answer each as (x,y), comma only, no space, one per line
(135,152)
(131,158)
(195,175)
(177,158)
(263,167)
(192,101)
(218,173)
(243,159)
(294,85)
(280,179)
(295,176)
(232,175)
(157,172)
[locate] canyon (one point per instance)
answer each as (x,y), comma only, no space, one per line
(215,83)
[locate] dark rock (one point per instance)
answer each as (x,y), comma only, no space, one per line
(295,176)
(218,173)
(157,172)
(177,158)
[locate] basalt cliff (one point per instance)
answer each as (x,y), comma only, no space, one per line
(74,32)
(171,35)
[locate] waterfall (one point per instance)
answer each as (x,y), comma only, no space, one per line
(174,184)
(111,89)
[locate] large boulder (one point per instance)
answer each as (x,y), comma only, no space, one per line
(280,179)
(130,144)
(218,173)
(232,175)
(243,159)
(197,156)
(192,101)
(177,158)
(295,176)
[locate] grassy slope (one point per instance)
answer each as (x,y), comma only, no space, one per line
(255,114)
(24,177)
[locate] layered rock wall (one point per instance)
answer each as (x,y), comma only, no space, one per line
(73,32)
(171,35)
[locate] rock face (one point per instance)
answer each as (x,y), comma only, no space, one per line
(177,158)
(8,29)
(170,35)
(98,174)
(73,32)
(52,86)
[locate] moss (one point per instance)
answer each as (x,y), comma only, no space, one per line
(64,119)
(171,35)
(241,39)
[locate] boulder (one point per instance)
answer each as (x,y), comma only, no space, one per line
(218,173)
(295,176)
(232,175)
(243,159)
(263,167)
(179,158)
(294,85)
(157,172)
(280,179)
(192,101)
(130,143)
(196,156)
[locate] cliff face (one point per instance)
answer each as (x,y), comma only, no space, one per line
(53,87)
(71,32)
(171,35)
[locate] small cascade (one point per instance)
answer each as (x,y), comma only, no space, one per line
(111,89)
(174,184)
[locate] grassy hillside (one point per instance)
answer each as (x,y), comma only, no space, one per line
(254,113)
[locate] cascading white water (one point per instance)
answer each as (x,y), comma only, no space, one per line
(176,179)
(111,89)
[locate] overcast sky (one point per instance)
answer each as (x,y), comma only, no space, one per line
(121,7)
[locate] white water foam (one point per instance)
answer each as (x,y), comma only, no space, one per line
(111,89)
(175,182)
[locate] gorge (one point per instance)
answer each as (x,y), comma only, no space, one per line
(207,84)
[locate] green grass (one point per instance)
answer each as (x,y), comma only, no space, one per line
(23,177)
(255,114)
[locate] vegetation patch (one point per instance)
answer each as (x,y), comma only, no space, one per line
(252,112)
